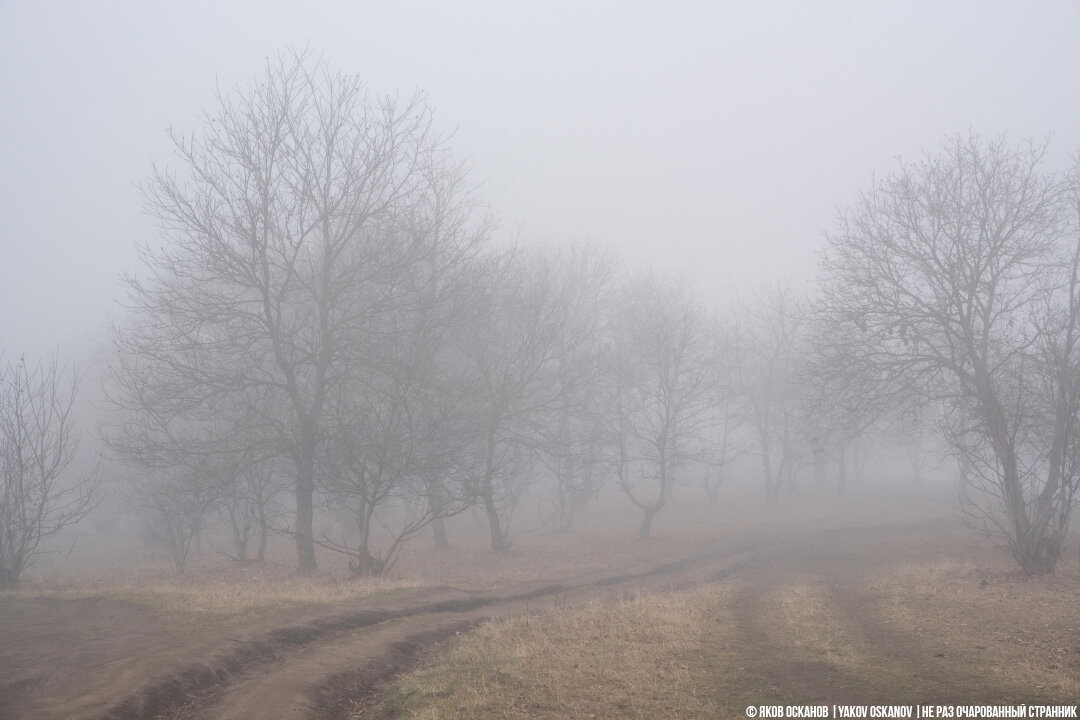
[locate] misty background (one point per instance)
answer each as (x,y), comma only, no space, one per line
(712,141)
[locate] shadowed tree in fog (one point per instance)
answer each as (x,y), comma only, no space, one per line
(38,496)
(174,504)
(661,370)
(402,430)
(273,225)
(521,351)
(956,278)
(571,441)
(841,403)
(771,356)
(247,488)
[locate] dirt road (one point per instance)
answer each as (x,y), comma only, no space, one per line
(310,667)
(287,670)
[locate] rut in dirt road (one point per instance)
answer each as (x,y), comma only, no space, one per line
(293,671)
(841,650)
(316,668)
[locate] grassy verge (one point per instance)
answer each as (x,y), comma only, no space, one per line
(1022,633)
(187,604)
(954,621)
(637,657)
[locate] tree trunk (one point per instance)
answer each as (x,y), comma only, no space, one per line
(438,532)
(841,481)
(772,485)
(819,464)
(646,523)
(264,527)
(498,534)
(260,556)
(305,539)
(437,498)
(790,477)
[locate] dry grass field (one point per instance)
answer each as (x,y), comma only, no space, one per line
(837,618)
(862,599)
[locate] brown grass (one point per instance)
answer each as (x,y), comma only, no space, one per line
(687,654)
(222,600)
(631,658)
(980,612)
(808,622)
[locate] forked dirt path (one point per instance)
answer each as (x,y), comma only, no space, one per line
(49,645)
(297,668)
(308,667)
(852,656)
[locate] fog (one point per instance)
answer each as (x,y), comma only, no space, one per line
(711,140)
(315,302)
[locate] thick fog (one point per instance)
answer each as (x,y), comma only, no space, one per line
(713,140)
(721,353)
(404,262)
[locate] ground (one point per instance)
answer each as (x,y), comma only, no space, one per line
(827,600)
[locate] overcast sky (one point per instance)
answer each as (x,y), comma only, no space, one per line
(713,139)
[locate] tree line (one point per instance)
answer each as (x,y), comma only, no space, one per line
(325,316)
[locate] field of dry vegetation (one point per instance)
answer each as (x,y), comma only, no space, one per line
(823,600)
(943,619)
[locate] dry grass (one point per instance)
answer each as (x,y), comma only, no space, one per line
(631,658)
(241,596)
(1023,632)
(809,623)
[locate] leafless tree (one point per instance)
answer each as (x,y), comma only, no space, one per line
(401,425)
(277,220)
(728,444)
(662,367)
(571,453)
(570,443)
(520,348)
(174,505)
(38,444)
(955,278)
(771,355)
(246,490)
(841,402)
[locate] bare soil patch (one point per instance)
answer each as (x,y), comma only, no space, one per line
(816,604)
(922,614)
(50,645)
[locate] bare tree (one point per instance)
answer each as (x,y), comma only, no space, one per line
(401,431)
(571,453)
(174,505)
(771,352)
(955,278)
(570,444)
(279,213)
(661,367)
(38,444)
(520,348)
(840,402)
(246,490)
(727,442)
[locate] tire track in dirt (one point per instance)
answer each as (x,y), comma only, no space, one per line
(307,669)
(316,681)
(891,667)
(293,670)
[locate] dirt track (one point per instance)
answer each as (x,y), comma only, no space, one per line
(296,669)
(309,667)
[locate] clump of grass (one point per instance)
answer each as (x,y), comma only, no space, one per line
(813,627)
(1022,632)
(632,658)
(226,600)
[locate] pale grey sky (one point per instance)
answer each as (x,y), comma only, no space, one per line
(713,139)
